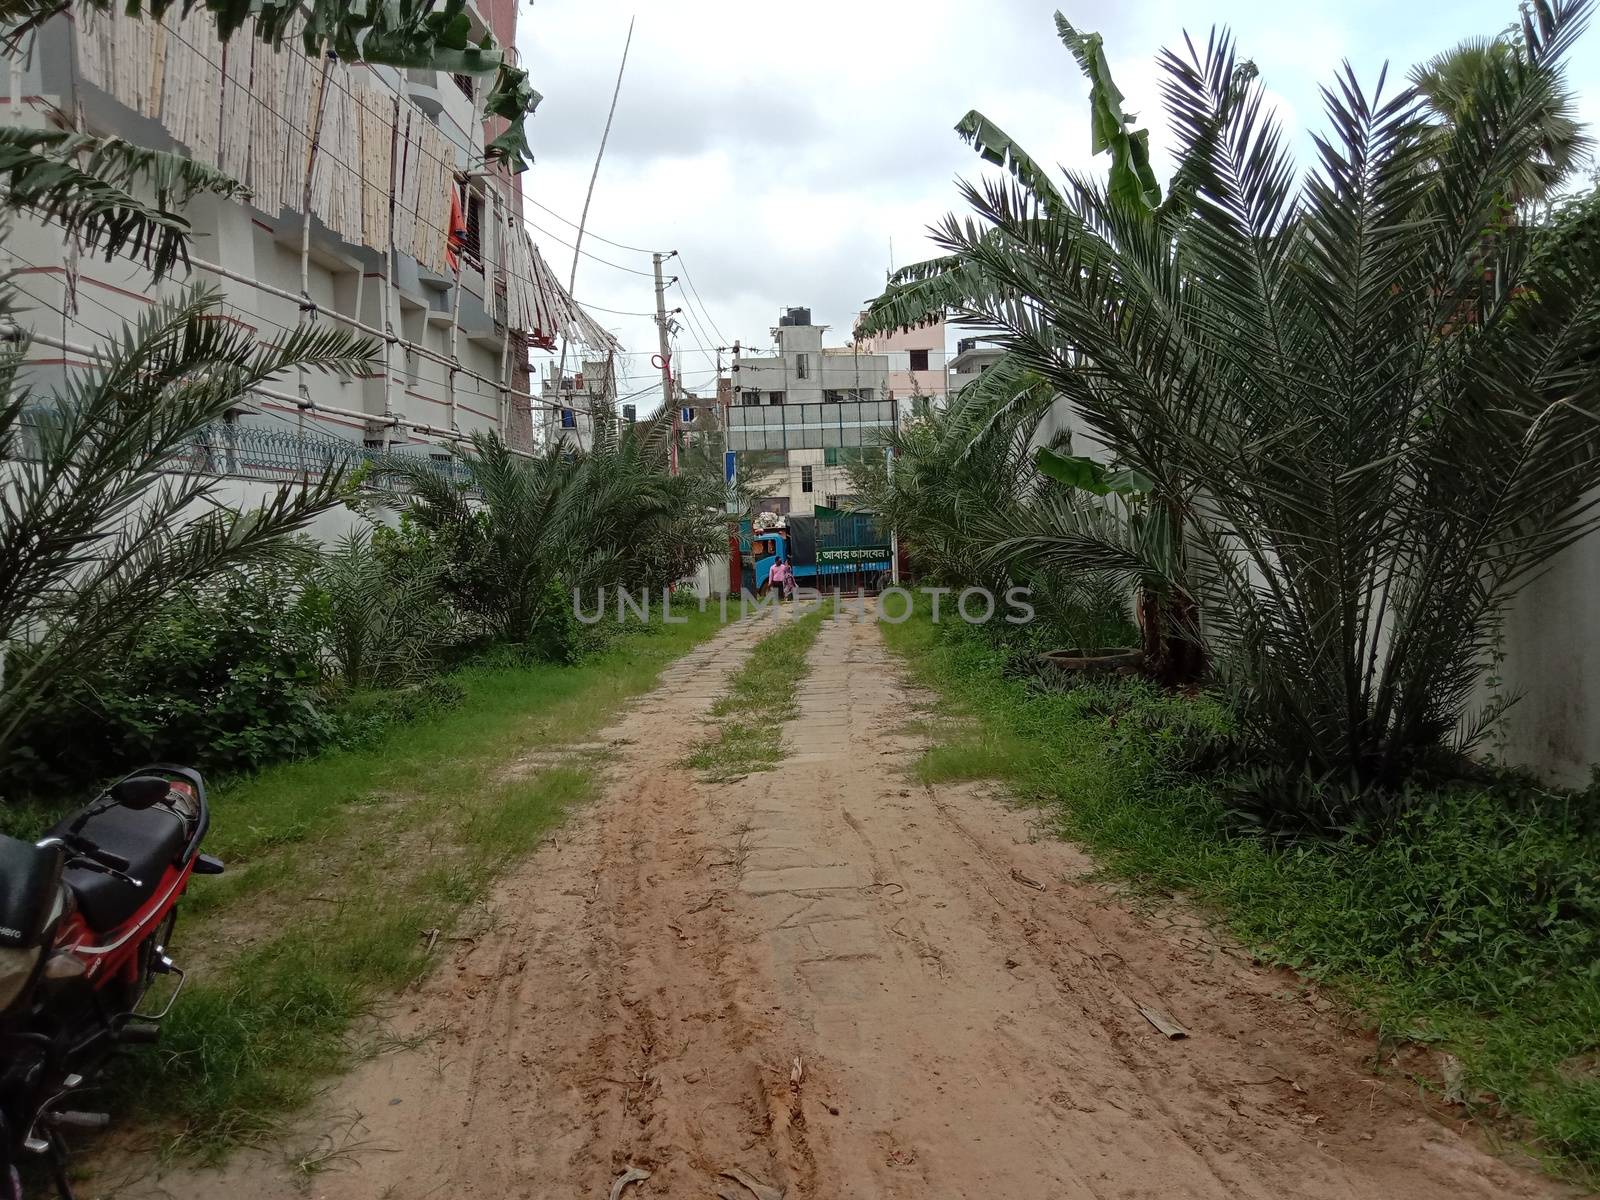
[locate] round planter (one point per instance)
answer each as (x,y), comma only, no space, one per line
(1112,660)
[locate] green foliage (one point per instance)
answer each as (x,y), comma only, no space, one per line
(760,698)
(1365,402)
(1087,475)
(964,481)
(1451,81)
(384,616)
(557,523)
(1471,922)
(100,524)
(225,675)
(90,185)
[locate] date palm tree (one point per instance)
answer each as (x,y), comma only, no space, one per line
(1363,398)
(526,531)
(104,510)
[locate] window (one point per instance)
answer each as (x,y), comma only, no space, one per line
(919,360)
(750,398)
(630,413)
(801,366)
(774,397)
(830,396)
(687,416)
(471,238)
(464,82)
(805,479)
(569,419)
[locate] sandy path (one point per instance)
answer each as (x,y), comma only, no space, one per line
(848,986)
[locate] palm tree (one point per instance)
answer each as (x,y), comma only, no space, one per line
(1364,402)
(104,513)
(1450,83)
(527,531)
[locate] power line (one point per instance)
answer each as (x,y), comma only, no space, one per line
(616,312)
(586,232)
(585,253)
(705,312)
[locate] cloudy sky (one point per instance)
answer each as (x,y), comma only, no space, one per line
(783,149)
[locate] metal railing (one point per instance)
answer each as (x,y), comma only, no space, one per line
(271,455)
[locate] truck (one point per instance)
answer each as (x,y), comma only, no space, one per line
(827,549)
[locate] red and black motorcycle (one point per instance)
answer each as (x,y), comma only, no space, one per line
(86,915)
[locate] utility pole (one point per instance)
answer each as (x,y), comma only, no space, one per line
(731,474)
(665,358)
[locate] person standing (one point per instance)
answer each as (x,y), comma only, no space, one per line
(782,579)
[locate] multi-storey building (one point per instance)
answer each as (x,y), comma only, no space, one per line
(973,357)
(916,362)
(370,201)
(799,416)
(570,406)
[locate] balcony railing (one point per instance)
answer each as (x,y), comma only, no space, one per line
(280,456)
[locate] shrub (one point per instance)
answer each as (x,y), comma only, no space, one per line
(226,675)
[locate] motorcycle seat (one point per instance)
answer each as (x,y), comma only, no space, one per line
(28,877)
(150,839)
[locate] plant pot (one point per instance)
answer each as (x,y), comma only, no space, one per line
(1102,660)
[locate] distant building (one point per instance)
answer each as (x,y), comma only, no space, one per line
(916,361)
(700,419)
(571,403)
(798,417)
(973,357)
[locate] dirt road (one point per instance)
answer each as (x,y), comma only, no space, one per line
(846,986)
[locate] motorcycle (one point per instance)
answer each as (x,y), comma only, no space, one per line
(86,917)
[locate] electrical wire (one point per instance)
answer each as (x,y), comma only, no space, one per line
(588,233)
(631,270)
(684,267)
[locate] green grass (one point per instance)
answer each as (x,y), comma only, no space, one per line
(760,697)
(339,869)
(1472,925)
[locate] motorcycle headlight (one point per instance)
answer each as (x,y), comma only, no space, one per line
(15,968)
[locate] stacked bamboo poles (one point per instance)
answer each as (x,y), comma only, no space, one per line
(383,178)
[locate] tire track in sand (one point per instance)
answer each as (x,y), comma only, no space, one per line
(848,986)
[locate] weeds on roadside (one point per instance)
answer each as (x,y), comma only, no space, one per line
(341,868)
(760,698)
(1469,922)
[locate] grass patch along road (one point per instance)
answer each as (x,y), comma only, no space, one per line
(346,871)
(760,698)
(1471,926)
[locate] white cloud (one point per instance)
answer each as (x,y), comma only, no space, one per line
(782,148)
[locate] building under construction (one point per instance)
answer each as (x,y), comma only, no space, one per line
(370,204)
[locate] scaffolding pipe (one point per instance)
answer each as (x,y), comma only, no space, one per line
(388,282)
(10,331)
(308,308)
(505,342)
(358,325)
(455,340)
(306,303)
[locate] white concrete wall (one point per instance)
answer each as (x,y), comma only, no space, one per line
(1552,664)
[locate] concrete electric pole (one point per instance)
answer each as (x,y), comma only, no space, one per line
(664,359)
